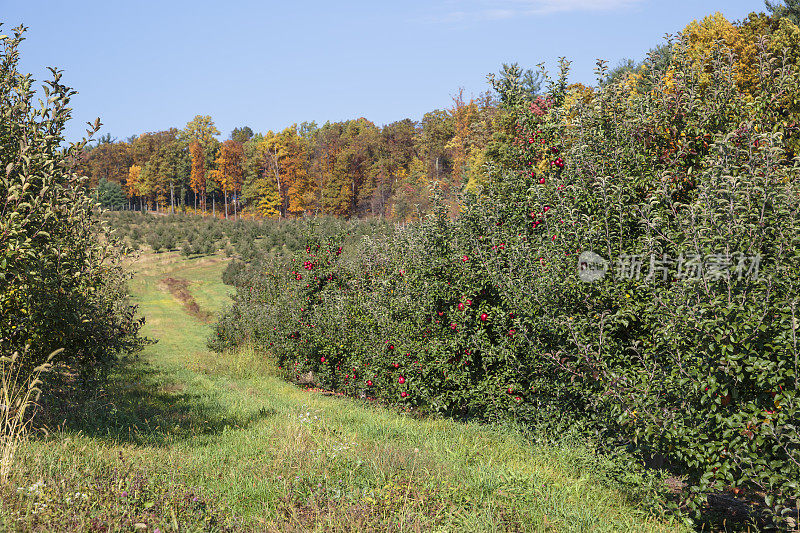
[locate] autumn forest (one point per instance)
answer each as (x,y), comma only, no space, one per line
(350,168)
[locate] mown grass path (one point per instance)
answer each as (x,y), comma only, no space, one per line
(185,439)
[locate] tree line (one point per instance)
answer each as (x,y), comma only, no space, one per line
(346,169)
(355,168)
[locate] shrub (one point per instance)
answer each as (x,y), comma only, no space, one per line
(154,241)
(61,285)
(168,240)
(232,271)
(697,367)
(678,170)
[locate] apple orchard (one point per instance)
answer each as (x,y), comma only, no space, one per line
(483,315)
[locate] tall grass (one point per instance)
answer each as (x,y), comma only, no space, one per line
(19,391)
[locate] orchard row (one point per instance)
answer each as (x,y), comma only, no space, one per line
(485,316)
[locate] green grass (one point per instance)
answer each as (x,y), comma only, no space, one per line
(184,439)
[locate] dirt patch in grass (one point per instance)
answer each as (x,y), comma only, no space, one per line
(179,288)
(173,388)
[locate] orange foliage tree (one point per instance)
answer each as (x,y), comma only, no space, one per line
(228,173)
(472,130)
(197,178)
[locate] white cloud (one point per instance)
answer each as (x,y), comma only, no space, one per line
(479,10)
(551,6)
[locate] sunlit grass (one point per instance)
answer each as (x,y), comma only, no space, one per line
(259,453)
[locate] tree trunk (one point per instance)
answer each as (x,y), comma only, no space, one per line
(214,206)
(171,198)
(225,199)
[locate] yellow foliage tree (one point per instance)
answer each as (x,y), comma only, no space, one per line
(741,42)
(201,129)
(133,183)
(287,160)
(264,194)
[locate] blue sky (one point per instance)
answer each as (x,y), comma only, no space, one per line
(146,66)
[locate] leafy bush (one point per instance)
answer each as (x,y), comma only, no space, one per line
(677,173)
(168,241)
(154,241)
(61,285)
(232,272)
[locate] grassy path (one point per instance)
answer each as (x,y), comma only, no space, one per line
(185,439)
